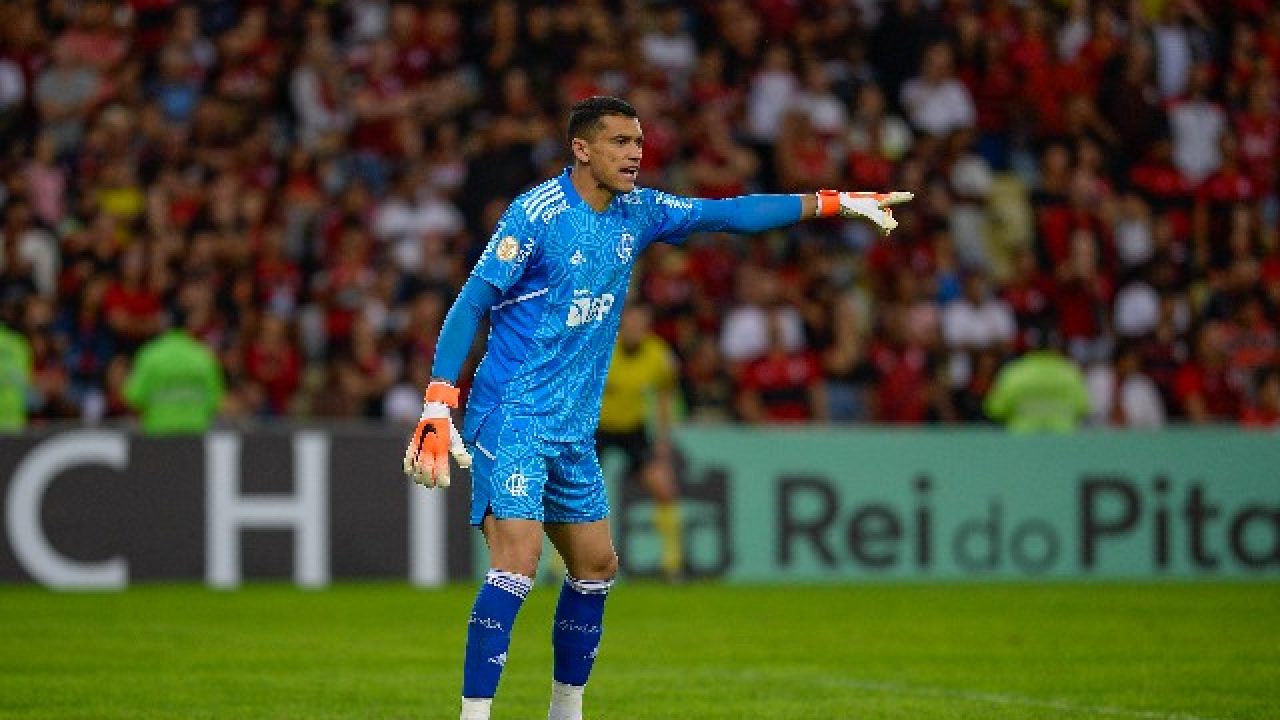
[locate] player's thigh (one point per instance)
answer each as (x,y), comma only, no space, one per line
(509,472)
(574,491)
(577,511)
(587,548)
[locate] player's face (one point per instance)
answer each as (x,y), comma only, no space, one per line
(635,325)
(613,154)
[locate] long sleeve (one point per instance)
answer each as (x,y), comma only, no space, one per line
(748,213)
(460,326)
(745,214)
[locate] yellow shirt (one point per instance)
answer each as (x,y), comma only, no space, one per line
(633,377)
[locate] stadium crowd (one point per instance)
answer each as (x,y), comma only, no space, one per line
(308,183)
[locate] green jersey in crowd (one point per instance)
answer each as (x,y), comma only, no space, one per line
(15,379)
(1039,392)
(176,384)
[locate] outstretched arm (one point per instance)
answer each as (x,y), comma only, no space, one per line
(757,213)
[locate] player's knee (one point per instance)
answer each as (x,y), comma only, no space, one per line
(665,492)
(597,567)
(515,549)
(520,560)
(662,485)
(605,567)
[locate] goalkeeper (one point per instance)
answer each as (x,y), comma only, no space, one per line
(552,280)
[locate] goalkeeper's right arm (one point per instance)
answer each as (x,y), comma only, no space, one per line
(460,326)
(426,459)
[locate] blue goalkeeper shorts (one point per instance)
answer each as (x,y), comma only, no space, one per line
(516,475)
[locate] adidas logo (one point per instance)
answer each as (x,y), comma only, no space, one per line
(499,660)
(577,258)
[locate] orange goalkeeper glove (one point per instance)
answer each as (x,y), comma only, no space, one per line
(866,205)
(426,460)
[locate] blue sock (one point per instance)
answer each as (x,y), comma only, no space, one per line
(575,637)
(489,632)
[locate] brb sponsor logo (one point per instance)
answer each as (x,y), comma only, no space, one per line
(588,309)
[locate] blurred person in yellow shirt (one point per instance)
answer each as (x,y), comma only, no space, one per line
(15,378)
(641,385)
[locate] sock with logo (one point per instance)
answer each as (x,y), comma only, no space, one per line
(575,639)
(489,635)
(666,516)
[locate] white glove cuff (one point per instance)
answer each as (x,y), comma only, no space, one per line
(435,410)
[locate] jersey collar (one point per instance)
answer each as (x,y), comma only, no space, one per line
(571,193)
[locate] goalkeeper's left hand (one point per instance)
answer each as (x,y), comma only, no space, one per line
(426,460)
(871,206)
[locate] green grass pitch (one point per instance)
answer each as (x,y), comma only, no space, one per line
(1160,651)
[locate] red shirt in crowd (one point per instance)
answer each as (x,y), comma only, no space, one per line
(1259,137)
(1260,418)
(903,390)
(378,135)
(1161,182)
(783,383)
(1226,186)
(1222,400)
(1057,223)
(138,304)
(1083,307)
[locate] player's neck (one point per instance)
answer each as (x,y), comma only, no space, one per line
(592,193)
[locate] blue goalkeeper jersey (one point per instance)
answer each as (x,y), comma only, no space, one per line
(563,270)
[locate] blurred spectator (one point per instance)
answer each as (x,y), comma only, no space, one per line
(906,372)
(316,88)
(936,102)
(274,364)
(310,183)
(13,96)
(774,89)
(722,167)
(1042,391)
(65,92)
(133,305)
(1175,45)
(782,386)
(15,370)
(1121,395)
(750,326)
(1197,124)
(842,338)
(670,48)
(708,392)
(175,383)
(35,249)
(1206,388)
(975,322)
(877,140)
(47,182)
(412,214)
(1265,411)
(1137,308)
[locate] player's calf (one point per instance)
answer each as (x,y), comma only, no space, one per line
(488,637)
(575,639)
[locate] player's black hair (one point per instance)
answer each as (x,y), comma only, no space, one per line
(584,116)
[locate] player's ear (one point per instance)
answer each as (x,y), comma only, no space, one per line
(579,147)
